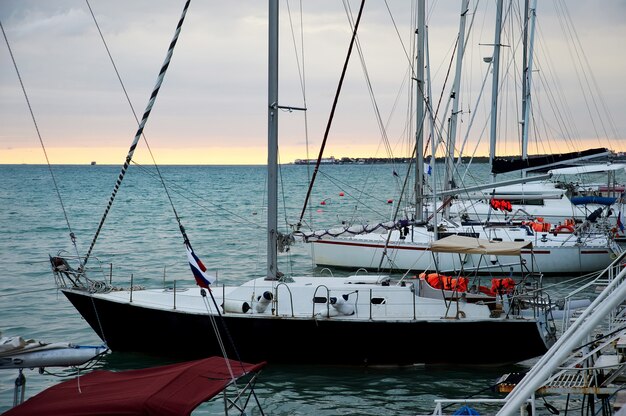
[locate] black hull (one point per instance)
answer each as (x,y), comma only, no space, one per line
(305,341)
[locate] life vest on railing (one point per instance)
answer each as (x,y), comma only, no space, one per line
(501,204)
(538,225)
(439,281)
(502,285)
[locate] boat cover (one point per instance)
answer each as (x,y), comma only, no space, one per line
(469,245)
(174,389)
(599,200)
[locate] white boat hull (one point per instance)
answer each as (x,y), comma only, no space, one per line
(55,357)
(549,257)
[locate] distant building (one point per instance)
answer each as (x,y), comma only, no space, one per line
(325,161)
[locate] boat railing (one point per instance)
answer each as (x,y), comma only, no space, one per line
(276,297)
(327,303)
(360,270)
(605,277)
(326,269)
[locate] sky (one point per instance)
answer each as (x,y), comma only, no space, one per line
(212,106)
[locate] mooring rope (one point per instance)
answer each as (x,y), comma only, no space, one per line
(142,124)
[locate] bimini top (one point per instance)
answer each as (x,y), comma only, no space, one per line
(470,245)
(174,389)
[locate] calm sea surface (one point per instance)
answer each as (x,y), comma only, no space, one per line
(222,209)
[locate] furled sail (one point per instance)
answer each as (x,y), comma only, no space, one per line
(504,165)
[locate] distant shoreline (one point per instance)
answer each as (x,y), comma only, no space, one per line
(381,160)
(325,161)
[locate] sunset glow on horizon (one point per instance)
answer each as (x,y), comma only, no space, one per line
(222,155)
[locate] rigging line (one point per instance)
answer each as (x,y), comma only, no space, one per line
(332,113)
(381,126)
(428,106)
(295,47)
(592,76)
(575,56)
(43,147)
(557,102)
(406,54)
(220,342)
(469,33)
(303,90)
(142,124)
(132,108)
(217,333)
(302,76)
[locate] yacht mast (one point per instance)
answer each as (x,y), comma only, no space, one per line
(272,143)
(419,114)
(528,72)
(455,95)
(433,134)
(494,85)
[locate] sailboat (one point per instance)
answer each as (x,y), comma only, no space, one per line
(566,197)
(353,320)
(568,249)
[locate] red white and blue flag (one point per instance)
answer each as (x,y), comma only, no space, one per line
(198,269)
(620,225)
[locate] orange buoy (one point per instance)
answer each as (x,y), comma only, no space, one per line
(341,194)
(390,201)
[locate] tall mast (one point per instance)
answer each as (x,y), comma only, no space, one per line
(455,100)
(272,143)
(494,85)
(528,72)
(524,69)
(433,148)
(419,114)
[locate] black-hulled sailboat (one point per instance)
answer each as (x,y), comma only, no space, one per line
(356,320)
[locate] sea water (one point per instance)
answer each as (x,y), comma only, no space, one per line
(223,211)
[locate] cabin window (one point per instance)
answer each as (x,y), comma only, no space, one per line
(320,299)
(526,201)
(379,301)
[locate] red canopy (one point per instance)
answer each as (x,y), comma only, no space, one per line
(174,389)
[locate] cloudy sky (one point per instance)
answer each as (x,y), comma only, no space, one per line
(212,106)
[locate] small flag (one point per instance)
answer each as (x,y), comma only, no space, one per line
(428,169)
(198,269)
(620,225)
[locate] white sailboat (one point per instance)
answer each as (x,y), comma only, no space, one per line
(302,319)
(403,245)
(564,197)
